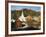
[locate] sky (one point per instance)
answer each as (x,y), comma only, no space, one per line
(35,8)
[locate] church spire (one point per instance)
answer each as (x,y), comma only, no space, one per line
(22,15)
(22,18)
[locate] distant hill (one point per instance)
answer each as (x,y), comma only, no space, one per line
(17,13)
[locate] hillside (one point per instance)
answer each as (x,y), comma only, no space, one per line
(17,13)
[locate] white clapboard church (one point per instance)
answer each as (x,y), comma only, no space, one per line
(23,19)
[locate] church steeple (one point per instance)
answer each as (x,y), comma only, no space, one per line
(22,18)
(22,15)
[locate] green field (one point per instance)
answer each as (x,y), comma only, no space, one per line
(17,13)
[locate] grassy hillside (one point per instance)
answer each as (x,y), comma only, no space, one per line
(17,13)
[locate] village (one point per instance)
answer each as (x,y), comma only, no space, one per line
(27,22)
